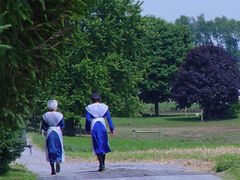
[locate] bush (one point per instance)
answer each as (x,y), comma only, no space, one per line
(234,110)
(72,124)
(11,146)
(223,166)
(226,162)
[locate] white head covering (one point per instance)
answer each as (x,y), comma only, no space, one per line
(52,105)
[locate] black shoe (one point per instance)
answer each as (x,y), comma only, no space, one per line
(58,167)
(101,168)
(53,173)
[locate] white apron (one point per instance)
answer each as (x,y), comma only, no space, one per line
(52,119)
(59,133)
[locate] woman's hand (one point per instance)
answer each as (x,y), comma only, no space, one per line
(112,133)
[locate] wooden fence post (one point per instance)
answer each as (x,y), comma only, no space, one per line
(130,121)
(133,134)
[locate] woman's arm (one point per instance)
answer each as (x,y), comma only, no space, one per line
(61,124)
(109,119)
(44,125)
(88,122)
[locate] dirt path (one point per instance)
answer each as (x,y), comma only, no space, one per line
(73,170)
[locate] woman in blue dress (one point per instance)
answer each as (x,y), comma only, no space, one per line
(96,126)
(53,124)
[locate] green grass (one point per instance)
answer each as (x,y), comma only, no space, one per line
(81,146)
(172,121)
(183,137)
(18,172)
(165,106)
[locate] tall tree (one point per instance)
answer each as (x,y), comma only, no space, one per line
(221,31)
(105,60)
(164,48)
(209,76)
(38,29)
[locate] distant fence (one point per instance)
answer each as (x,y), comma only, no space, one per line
(181,112)
(134,132)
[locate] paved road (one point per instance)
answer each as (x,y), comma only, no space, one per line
(115,171)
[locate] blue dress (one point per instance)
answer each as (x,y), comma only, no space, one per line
(95,122)
(54,144)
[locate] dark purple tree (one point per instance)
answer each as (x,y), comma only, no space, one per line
(209,76)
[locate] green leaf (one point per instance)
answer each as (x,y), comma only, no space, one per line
(43,4)
(2,27)
(5,46)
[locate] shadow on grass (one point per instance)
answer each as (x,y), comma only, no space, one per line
(195,119)
(183,119)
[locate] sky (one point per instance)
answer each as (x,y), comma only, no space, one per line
(170,10)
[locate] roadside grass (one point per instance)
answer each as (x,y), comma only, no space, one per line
(18,172)
(225,157)
(183,137)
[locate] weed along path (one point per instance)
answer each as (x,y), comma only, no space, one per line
(75,170)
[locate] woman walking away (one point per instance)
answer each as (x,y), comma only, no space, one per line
(97,112)
(53,124)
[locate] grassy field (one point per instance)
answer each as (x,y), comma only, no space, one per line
(209,145)
(18,172)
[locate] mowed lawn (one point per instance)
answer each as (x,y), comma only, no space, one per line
(182,137)
(18,172)
(179,129)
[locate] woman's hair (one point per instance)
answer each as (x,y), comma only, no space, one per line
(52,105)
(95,97)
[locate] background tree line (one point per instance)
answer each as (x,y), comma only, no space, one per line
(219,31)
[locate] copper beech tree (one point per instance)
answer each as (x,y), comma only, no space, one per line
(209,76)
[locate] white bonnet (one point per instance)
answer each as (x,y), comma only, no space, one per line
(52,105)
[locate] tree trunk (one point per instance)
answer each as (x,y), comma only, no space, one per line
(209,114)
(208,111)
(156,109)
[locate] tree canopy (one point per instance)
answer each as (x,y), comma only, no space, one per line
(221,32)
(105,59)
(165,47)
(32,34)
(37,29)
(209,76)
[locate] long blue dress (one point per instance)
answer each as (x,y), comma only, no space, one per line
(53,123)
(95,122)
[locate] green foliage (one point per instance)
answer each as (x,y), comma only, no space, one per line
(103,60)
(234,110)
(209,76)
(32,33)
(36,29)
(18,172)
(168,106)
(226,162)
(165,47)
(220,31)
(10,148)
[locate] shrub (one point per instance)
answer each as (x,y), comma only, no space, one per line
(227,161)
(11,147)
